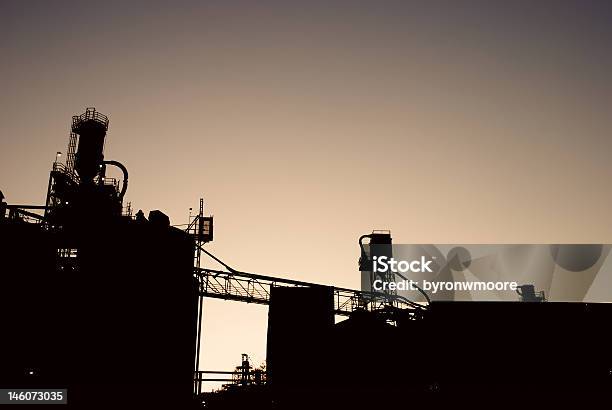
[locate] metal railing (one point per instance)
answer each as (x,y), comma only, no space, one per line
(66,170)
(89,114)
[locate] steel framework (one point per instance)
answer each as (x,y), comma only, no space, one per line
(255,288)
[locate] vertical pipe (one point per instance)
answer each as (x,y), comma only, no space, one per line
(197,363)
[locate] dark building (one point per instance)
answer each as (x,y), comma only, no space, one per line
(94,300)
(300,321)
(516,354)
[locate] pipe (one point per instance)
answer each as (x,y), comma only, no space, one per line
(125,176)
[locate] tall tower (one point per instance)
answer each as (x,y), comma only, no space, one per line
(79,191)
(91,128)
(380,244)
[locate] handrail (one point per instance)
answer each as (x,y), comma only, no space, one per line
(89,114)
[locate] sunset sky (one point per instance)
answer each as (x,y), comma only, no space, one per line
(306,124)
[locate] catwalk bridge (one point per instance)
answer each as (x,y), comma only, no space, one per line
(255,288)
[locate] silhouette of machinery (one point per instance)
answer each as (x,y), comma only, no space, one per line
(114,297)
(94,299)
(109,305)
(81,188)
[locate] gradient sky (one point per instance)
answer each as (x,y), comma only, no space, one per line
(305,124)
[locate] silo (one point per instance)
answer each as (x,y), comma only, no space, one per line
(300,320)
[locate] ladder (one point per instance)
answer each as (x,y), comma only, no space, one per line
(70,154)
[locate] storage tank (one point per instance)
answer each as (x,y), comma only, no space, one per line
(380,244)
(91,127)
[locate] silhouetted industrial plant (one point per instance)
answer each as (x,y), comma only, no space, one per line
(108,303)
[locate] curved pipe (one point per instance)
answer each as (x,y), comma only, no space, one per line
(362,237)
(125,175)
(363,255)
